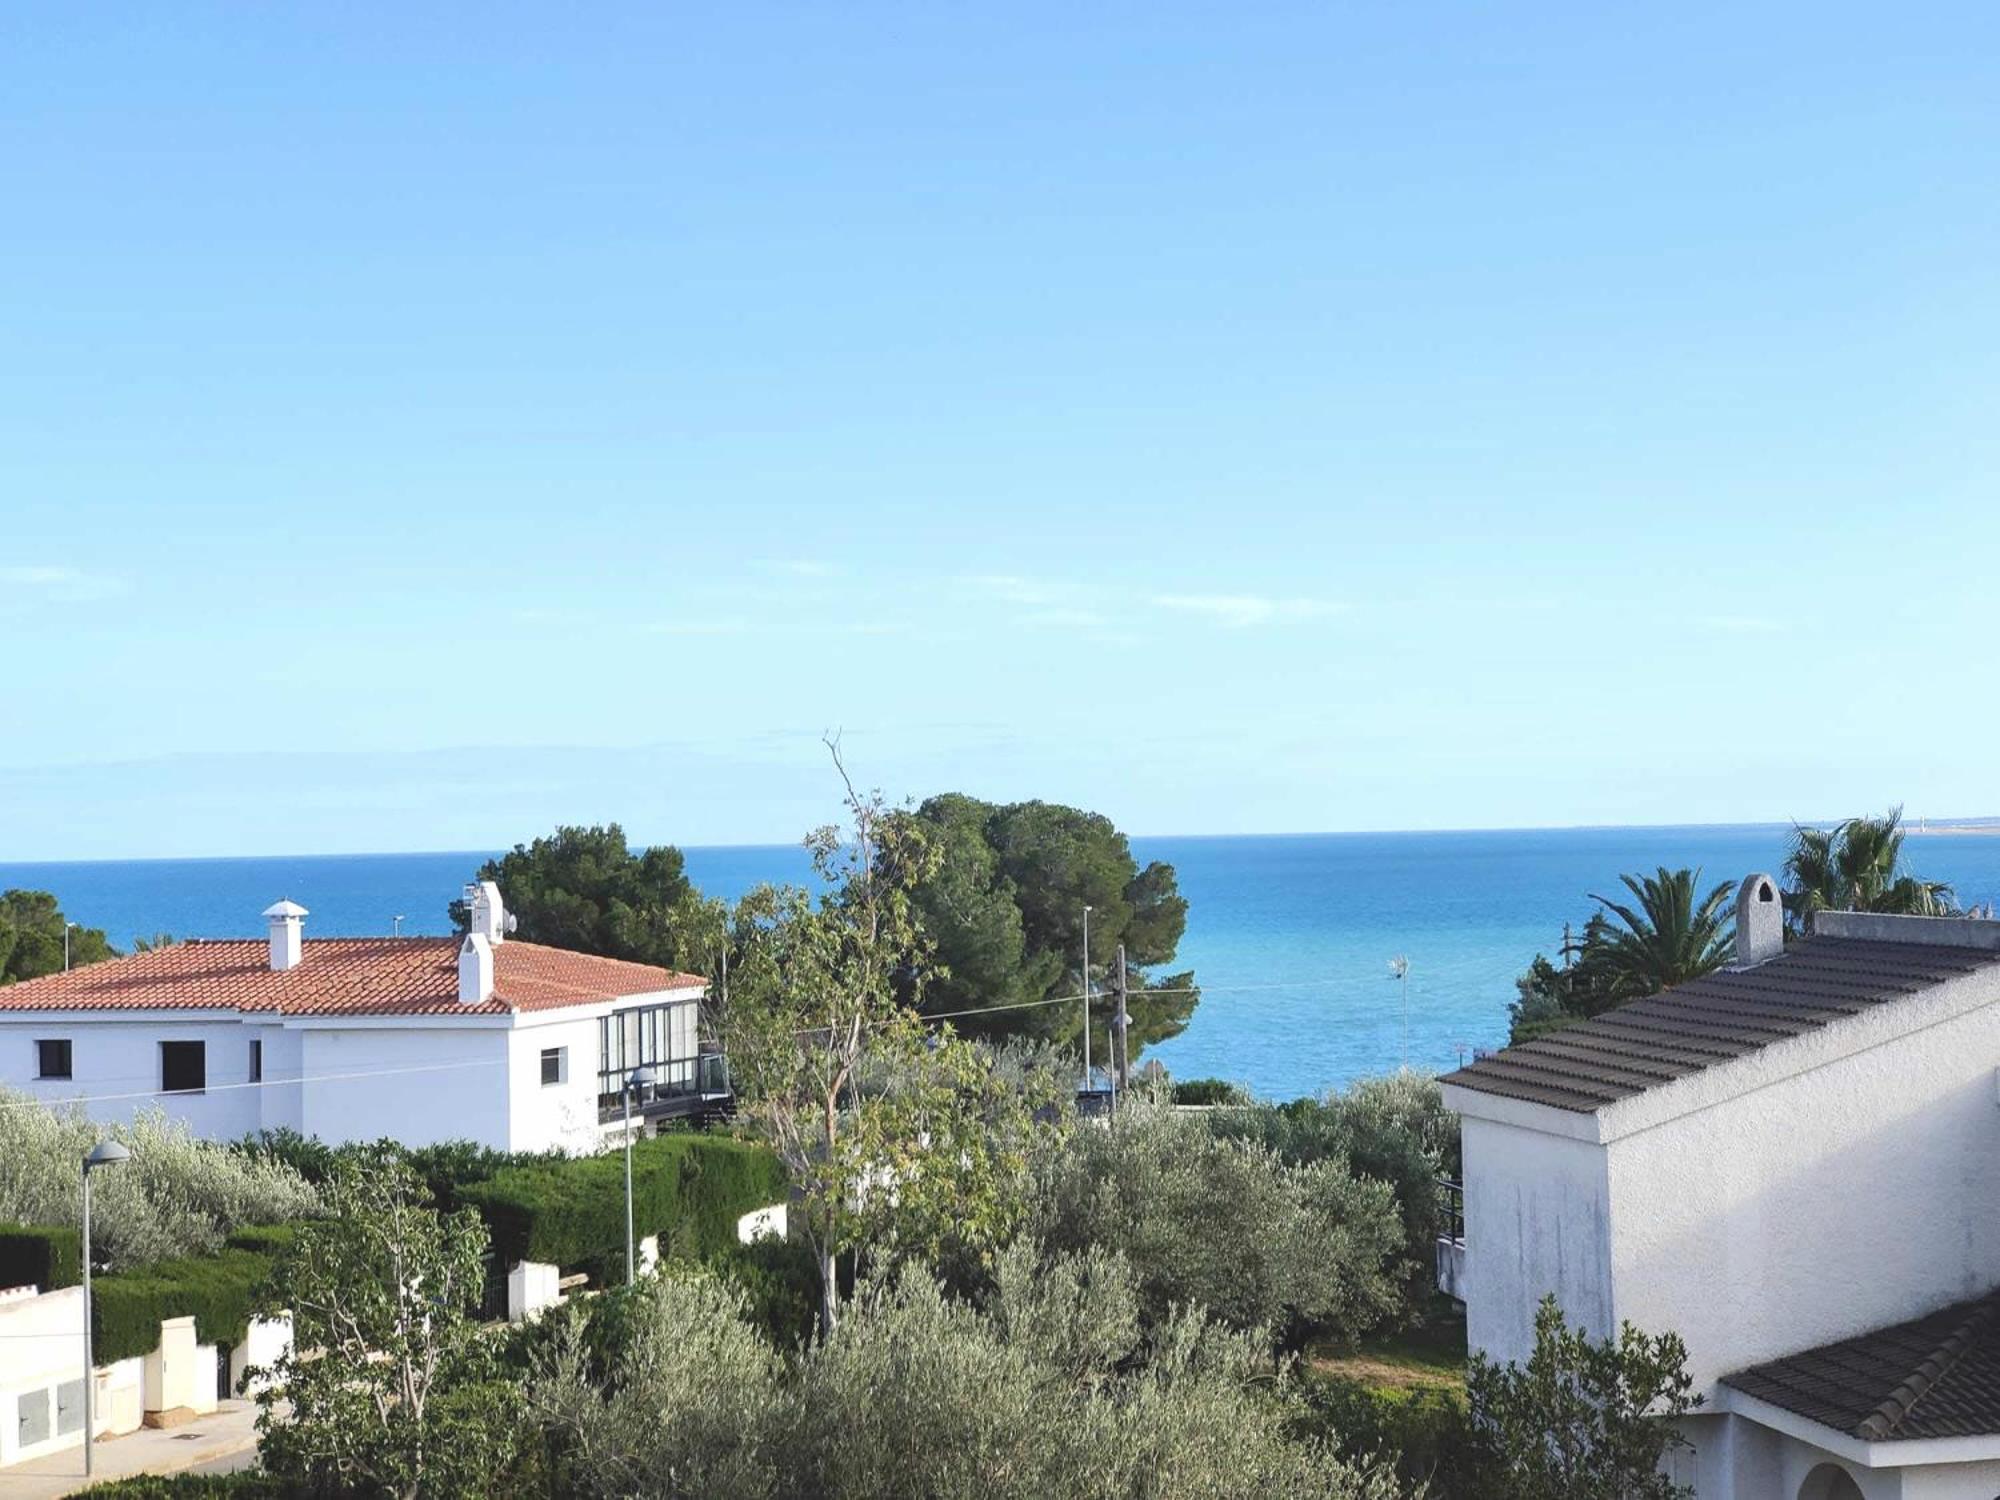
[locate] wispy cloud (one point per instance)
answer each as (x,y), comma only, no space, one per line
(1012,588)
(55,583)
(699,627)
(1239,611)
(1742,624)
(798,567)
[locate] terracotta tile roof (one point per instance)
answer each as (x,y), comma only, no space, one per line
(1647,1043)
(1935,1377)
(339,977)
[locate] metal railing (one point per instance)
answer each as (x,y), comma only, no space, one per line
(1451,1199)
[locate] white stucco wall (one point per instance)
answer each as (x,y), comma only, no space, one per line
(120,1055)
(1811,1204)
(417,1084)
(1537,1221)
(553,1116)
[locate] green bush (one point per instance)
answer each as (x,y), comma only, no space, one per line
(688,1189)
(220,1291)
(1210,1091)
(1423,1429)
(780,1285)
(248,1485)
(45,1255)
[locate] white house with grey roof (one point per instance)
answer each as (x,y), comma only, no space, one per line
(1795,1165)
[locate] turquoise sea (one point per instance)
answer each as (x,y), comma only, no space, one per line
(1291,936)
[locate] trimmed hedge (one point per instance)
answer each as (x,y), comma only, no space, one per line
(688,1189)
(49,1256)
(127,1307)
(249,1484)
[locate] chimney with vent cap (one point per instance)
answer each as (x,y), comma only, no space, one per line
(485,913)
(475,970)
(1760,921)
(287,921)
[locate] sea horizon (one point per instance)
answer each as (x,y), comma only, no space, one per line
(1289,935)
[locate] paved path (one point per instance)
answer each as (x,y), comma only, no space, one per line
(215,1444)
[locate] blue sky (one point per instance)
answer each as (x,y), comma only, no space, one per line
(423,424)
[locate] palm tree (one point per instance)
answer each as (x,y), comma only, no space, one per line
(1858,866)
(1670,938)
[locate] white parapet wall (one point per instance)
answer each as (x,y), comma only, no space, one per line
(180,1372)
(266,1342)
(762,1224)
(41,1377)
(532,1286)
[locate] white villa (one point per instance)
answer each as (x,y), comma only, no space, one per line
(515,1045)
(1795,1165)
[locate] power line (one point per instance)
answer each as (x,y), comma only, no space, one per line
(33,1102)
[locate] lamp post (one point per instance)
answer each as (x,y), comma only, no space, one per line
(1086,999)
(639,1078)
(103,1154)
(68,928)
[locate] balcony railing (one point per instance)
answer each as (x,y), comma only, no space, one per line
(689,1086)
(1451,1239)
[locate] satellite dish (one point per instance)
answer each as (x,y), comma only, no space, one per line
(513,922)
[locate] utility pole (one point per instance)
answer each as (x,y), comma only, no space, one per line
(1086,999)
(1121,1047)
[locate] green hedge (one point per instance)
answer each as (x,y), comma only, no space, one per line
(49,1256)
(247,1485)
(688,1189)
(220,1291)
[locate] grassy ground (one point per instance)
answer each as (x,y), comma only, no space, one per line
(1431,1356)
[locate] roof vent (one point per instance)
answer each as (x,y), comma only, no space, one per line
(1760,921)
(287,921)
(475,970)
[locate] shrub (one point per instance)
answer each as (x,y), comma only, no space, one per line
(178,1196)
(1053,1388)
(1210,1091)
(688,1189)
(1225,1224)
(248,1485)
(48,1256)
(780,1286)
(220,1291)
(1423,1429)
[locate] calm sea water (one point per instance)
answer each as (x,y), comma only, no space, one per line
(1290,936)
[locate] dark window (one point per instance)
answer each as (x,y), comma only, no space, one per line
(183,1067)
(257,1060)
(552,1065)
(52,1059)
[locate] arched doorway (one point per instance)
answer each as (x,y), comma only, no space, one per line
(1830,1482)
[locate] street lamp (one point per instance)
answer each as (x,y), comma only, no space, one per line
(103,1154)
(1086,999)
(639,1078)
(68,928)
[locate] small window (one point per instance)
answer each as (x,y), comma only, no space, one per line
(555,1065)
(52,1059)
(257,1060)
(183,1067)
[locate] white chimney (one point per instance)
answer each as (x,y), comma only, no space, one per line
(488,917)
(1760,921)
(475,970)
(287,921)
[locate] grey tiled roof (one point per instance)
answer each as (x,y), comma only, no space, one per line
(1936,1377)
(1726,1015)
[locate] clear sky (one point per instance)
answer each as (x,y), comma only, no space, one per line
(422,424)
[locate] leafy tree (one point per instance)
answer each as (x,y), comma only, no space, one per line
(1392,1130)
(1003,909)
(31,938)
(1584,1420)
(1671,936)
(584,889)
(1307,1248)
(178,1196)
(390,1387)
(887,1130)
(1052,1386)
(1628,952)
(1858,866)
